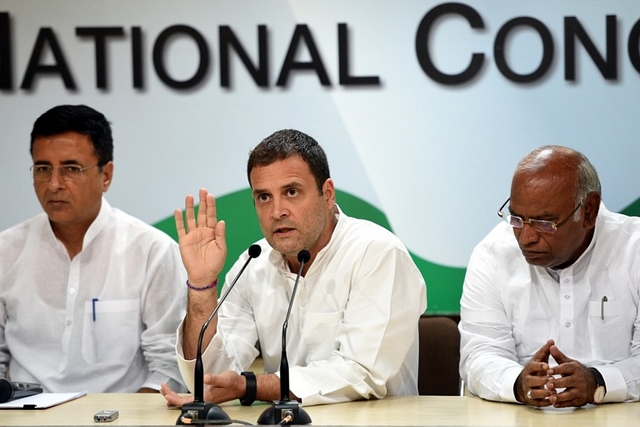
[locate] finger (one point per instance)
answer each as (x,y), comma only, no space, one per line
(535,369)
(177,216)
(550,385)
(211,211)
(189,213)
(175,400)
(540,392)
(526,381)
(172,398)
(202,207)
(535,381)
(538,397)
(215,380)
(539,369)
(568,398)
(542,355)
(220,235)
(559,356)
(564,370)
(570,375)
(164,389)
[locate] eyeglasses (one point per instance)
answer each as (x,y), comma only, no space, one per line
(68,173)
(540,225)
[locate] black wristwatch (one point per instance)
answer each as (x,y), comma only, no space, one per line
(601,387)
(251,389)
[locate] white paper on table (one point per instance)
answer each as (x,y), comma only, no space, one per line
(41,400)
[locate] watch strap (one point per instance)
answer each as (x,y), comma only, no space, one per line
(599,378)
(251,389)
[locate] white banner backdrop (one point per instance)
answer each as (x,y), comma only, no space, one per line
(390,88)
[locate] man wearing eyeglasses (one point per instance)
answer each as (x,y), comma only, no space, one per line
(549,309)
(90,297)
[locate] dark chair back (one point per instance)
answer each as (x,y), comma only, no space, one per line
(439,357)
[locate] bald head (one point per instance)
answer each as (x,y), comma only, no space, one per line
(562,169)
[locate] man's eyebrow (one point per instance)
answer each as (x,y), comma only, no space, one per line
(291,184)
(543,215)
(70,162)
(64,162)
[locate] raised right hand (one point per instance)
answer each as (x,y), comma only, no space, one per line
(203,245)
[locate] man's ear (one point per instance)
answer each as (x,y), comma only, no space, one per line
(591,209)
(329,192)
(107,176)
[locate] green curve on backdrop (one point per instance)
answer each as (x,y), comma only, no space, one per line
(633,209)
(236,209)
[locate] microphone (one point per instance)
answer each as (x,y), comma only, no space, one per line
(285,410)
(14,390)
(199,409)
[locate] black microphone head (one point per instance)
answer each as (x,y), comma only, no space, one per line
(254,251)
(6,390)
(304,256)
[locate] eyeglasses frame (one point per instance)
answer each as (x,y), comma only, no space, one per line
(554,225)
(65,178)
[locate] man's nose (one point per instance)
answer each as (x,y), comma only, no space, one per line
(527,235)
(280,209)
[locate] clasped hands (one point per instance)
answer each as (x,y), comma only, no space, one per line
(538,384)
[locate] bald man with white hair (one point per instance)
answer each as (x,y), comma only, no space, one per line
(549,309)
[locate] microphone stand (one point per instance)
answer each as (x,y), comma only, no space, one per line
(285,410)
(199,411)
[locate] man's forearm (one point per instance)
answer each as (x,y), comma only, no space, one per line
(268,388)
(200,305)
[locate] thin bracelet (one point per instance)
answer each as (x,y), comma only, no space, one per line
(212,285)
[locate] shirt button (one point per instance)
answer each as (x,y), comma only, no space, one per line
(567,296)
(72,291)
(68,322)
(566,280)
(567,325)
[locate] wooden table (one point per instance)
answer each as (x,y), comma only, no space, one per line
(150,409)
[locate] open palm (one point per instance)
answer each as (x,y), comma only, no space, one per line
(202,240)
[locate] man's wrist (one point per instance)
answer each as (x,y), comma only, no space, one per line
(203,287)
(517,388)
(601,388)
(251,389)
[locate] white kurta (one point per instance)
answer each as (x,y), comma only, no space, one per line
(102,322)
(353,330)
(509,309)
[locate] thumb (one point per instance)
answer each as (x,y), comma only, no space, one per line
(542,355)
(559,356)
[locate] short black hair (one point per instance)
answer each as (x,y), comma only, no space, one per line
(286,143)
(81,119)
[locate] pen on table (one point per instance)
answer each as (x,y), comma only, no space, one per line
(93,303)
(602,301)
